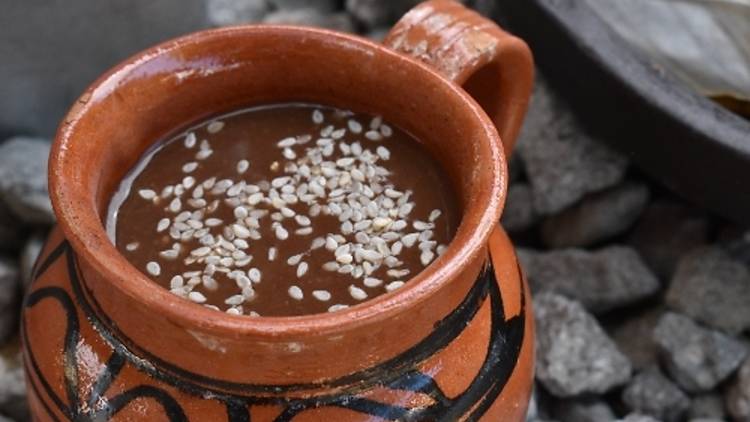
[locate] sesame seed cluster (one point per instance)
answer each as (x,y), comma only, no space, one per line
(336,172)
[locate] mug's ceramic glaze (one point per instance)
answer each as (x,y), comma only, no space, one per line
(101,341)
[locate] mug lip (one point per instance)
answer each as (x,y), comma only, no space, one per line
(97,250)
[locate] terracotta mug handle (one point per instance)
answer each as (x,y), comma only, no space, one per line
(493,66)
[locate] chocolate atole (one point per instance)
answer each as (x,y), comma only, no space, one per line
(284,210)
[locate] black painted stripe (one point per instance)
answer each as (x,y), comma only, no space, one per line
(117,403)
(446,330)
(237,411)
(69,348)
(111,370)
(39,269)
(501,359)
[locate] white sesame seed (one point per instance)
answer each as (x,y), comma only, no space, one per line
(190,140)
(163,224)
(272,254)
(322,295)
(383,152)
(345,258)
(372,256)
(296,293)
(421,225)
(242,166)
(189,167)
(317,243)
(287,212)
(373,135)
(203,154)
(176,282)
(441,249)
(302,220)
(338,134)
(289,154)
(234,311)
(317,117)
(294,259)
(398,273)
(399,225)
(215,126)
(386,130)
(426,257)
(410,239)
(376,122)
(255,198)
(130,247)
(213,222)
(331,266)
(153,268)
(169,254)
(379,223)
(202,251)
(248,292)
(147,194)
(337,307)
(354,126)
(254,275)
(434,215)
(301,269)
(240,231)
(393,285)
(235,300)
(197,297)
(372,282)
(357,293)
(281,233)
(210,283)
(176,205)
(287,142)
(304,231)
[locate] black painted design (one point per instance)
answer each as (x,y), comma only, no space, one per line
(74,410)
(400,373)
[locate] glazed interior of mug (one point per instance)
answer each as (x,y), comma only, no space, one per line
(198,76)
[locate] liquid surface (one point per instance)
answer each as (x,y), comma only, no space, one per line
(284,210)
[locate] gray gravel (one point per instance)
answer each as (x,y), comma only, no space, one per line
(583,411)
(711,287)
(697,358)
(311,17)
(574,354)
(638,417)
(10,297)
(651,393)
(519,213)
(322,6)
(375,13)
(12,389)
(562,162)
(602,280)
(666,232)
(29,254)
(235,12)
(738,399)
(11,229)
(634,336)
(23,179)
(707,406)
(596,218)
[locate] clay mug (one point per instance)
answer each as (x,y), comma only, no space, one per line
(103,342)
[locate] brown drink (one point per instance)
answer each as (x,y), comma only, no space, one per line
(284,210)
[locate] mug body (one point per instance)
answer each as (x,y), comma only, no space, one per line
(101,341)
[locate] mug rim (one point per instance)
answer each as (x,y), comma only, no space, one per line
(97,250)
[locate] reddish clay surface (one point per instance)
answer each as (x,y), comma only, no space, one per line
(102,341)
